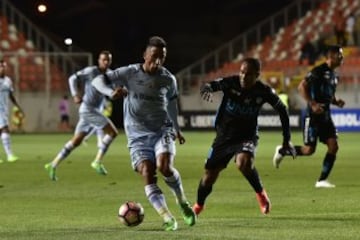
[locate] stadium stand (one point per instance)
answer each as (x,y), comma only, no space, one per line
(280,51)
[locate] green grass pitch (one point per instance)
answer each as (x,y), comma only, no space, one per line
(84,205)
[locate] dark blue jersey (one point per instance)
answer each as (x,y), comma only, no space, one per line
(322,82)
(238,112)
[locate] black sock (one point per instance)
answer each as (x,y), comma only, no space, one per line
(202,193)
(254,180)
(328,164)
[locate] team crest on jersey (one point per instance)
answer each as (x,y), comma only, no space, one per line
(237,93)
(327,75)
(163,90)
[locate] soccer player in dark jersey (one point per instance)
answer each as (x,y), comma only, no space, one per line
(237,129)
(318,89)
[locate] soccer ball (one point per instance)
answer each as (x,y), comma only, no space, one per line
(131,213)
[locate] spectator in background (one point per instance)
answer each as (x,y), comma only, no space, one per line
(6,92)
(308,52)
(350,29)
(357,29)
(64,114)
(339,28)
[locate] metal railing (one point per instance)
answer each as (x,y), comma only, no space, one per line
(229,51)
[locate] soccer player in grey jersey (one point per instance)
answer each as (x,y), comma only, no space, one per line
(150,118)
(90,115)
(6,92)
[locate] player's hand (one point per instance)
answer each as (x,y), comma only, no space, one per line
(288,149)
(317,107)
(180,137)
(118,93)
(206,92)
(340,103)
(77,99)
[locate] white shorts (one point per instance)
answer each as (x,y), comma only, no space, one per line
(4,120)
(149,146)
(89,120)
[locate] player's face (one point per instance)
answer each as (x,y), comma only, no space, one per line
(2,68)
(154,58)
(104,61)
(336,58)
(248,75)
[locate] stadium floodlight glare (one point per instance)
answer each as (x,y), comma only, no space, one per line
(42,8)
(68,41)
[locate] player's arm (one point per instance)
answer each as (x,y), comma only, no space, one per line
(338,102)
(15,102)
(207,89)
(74,84)
(303,89)
(99,82)
(173,114)
(280,107)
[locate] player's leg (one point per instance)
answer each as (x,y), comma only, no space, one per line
(245,163)
(110,133)
(328,136)
(217,160)
(81,130)
(143,161)
(310,135)
(165,155)
(88,135)
(6,141)
(100,135)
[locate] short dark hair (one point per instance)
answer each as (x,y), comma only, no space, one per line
(332,49)
(105,52)
(254,62)
(156,41)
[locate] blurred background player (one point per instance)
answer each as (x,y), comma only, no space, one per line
(6,92)
(237,129)
(64,111)
(151,126)
(318,90)
(107,108)
(17,120)
(90,114)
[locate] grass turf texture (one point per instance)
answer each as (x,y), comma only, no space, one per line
(84,205)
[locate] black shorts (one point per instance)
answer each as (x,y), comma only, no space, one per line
(222,150)
(64,118)
(318,128)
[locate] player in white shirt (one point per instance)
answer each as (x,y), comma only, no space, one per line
(6,92)
(151,126)
(90,114)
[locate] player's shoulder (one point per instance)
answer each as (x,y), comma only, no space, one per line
(87,70)
(166,73)
(7,80)
(319,69)
(132,68)
(262,85)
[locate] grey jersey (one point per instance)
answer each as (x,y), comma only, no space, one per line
(6,87)
(146,106)
(80,84)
